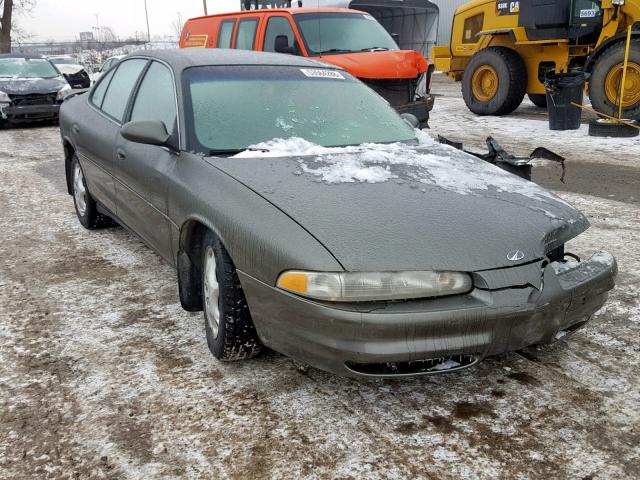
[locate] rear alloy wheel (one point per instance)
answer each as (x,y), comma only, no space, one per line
(538,99)
(494,81)
(230,332)
(85,205)
(606,79)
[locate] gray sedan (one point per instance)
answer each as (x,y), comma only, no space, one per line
(302,213)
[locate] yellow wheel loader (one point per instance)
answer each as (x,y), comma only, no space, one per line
(501,50)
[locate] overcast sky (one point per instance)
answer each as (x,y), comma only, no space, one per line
(62,19)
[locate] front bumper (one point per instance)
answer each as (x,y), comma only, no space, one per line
(419,108)
(448,333)
(29,113)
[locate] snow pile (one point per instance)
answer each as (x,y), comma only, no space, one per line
(429,163)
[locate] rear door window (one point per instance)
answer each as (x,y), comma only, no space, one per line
(225,34)
(246,33)
(277,26)
(156,98)
(124,79)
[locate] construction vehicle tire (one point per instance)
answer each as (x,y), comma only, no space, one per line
(604,84)
(494,81)
(609,128)
(538,99)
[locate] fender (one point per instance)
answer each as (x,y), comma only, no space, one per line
(621,37)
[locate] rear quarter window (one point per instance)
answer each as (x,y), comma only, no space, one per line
(246,34)
(99,90)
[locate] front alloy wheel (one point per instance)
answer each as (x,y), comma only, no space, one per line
(211,292)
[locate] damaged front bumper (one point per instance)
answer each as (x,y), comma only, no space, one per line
(420,108)
(508,309)
(29,112)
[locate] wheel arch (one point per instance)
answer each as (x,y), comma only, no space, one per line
(598,52)
(69,152)
(192,231)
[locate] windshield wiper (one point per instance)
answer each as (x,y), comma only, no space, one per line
(216,153)
(374,49)
(335,50)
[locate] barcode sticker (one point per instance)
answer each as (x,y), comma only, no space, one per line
(321,73)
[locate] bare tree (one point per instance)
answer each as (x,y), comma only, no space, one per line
(7,9)
(177,25)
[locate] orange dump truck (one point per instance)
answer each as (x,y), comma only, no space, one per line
(347,38)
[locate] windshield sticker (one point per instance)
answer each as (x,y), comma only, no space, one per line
(321,73)
(590,13)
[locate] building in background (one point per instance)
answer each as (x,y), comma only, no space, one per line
(447,10)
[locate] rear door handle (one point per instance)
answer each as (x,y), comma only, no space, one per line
(120,154)
(75,128)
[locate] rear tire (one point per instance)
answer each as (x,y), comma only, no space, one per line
(538,99)
(489,98)
(230,332)
(607,73)
(605,128)
(84,204)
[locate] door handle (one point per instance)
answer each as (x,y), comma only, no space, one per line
(120,154)
(75,128)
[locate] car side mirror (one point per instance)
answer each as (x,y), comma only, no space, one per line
(148,132)
(410,119)
(396,38)
(282,45)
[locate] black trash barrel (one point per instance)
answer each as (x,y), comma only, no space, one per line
(562,90)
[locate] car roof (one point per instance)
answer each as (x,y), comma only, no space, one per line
(183,58)
(21,55)
(292,11)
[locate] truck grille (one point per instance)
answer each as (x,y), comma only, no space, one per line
(33,99)
(395,91)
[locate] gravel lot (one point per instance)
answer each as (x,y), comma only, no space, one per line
(102,375)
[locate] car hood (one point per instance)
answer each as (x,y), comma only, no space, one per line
(395,207)
(24,86)
(379,65)
(69,69)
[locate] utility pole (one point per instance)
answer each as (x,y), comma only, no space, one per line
(204,3)
(146,13)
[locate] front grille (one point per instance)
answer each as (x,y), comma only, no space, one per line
(430,365)
(396,91)
(33,99)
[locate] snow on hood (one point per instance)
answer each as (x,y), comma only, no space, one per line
(69,69)
(429,162)
(23,86)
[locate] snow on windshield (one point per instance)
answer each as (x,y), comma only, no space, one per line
(429,163)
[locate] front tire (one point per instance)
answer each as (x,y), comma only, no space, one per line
(230,332)
(604,84)
(494,82)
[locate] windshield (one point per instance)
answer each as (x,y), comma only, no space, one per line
(27,68)
(64,61)
(233,108)
(327,33)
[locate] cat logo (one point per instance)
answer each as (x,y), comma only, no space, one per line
(507,8)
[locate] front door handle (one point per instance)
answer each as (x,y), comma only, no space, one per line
(120,154)
(75,128)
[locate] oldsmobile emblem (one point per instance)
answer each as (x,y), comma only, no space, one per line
(515,255)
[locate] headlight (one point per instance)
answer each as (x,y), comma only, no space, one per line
(63,92)
(373,286)
(4,97)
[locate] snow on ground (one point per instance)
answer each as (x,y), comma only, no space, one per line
(102,375)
